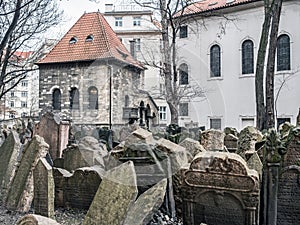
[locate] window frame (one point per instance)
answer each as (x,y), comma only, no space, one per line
(283,53)
(162,113)
(215,61)
(118,21)
(183,74)
(93,98)
(137,21)
(211,122)
(183,31)
(247,57)
(74,98)
(56,99)
(181,111)
(137,44)
(24,83)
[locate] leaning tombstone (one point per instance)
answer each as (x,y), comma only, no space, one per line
(255,163)
(116,193)
(60,176)
(20,192)
(43,189)
(219,188)
(212,140)
(193,147)
(9,152)
(147,204)
(33,219)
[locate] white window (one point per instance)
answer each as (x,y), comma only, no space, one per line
(24,94)
(162,113)
(12,94)
(12,104)
(137,21)
(119,22)
(11,116)
(247,122)
(24,83)
(24,104)
(137,44)
(215,124)
(183,109)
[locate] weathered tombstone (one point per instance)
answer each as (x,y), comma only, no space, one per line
(147,204)
(32,219)
(87,153)
(231,142)
(255,163)
(288,210)
(80,188)
(9,152)
(43,189)
(212,140)
(219,188)
(55,132)
(60,175)
(248,137)
(231,130)
(20,193)
(193,147)
(115,195)
(140,135)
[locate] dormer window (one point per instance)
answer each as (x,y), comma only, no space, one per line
(89,38)
(73,40)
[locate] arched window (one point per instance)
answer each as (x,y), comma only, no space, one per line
(93,98)
(247,57)
(73,40)
(56,99)
(215,61)
(183,74)
(74,98)
(126,100)
(283,53)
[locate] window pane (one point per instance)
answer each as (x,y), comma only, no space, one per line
(215,61)
(247,57)
(162,112)
(183,74)
(93,98)
(183,32)
(183,109)
(74,98)
(56,99)
(215,124)
(283,53)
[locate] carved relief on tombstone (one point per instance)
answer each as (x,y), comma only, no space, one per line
(219,188)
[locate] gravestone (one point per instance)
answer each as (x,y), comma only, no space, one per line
(212,140)
(43,189)
(193,147)
(248,137)
(58,137)
(255,163)
(87,153)
(116,193)
(20,193)
(288,212)
(60,175)
(80,188)
(140,135)
(147,204)
(33,219)
(219,188)
(9,152)
(231,143)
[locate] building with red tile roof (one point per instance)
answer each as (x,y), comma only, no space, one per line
(90,77)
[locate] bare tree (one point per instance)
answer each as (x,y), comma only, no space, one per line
(21,24)
(265,109)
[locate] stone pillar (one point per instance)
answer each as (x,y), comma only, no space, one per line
(272,183)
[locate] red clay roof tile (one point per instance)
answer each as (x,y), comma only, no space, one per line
(105,43)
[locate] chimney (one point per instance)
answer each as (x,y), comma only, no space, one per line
(132,48)
(109,7)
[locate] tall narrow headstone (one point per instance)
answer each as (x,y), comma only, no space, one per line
(9,152)
(43,189)
(116,193)
(20,193)
(147,204)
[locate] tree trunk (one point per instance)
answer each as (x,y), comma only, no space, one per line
(259,74)
(270,115)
